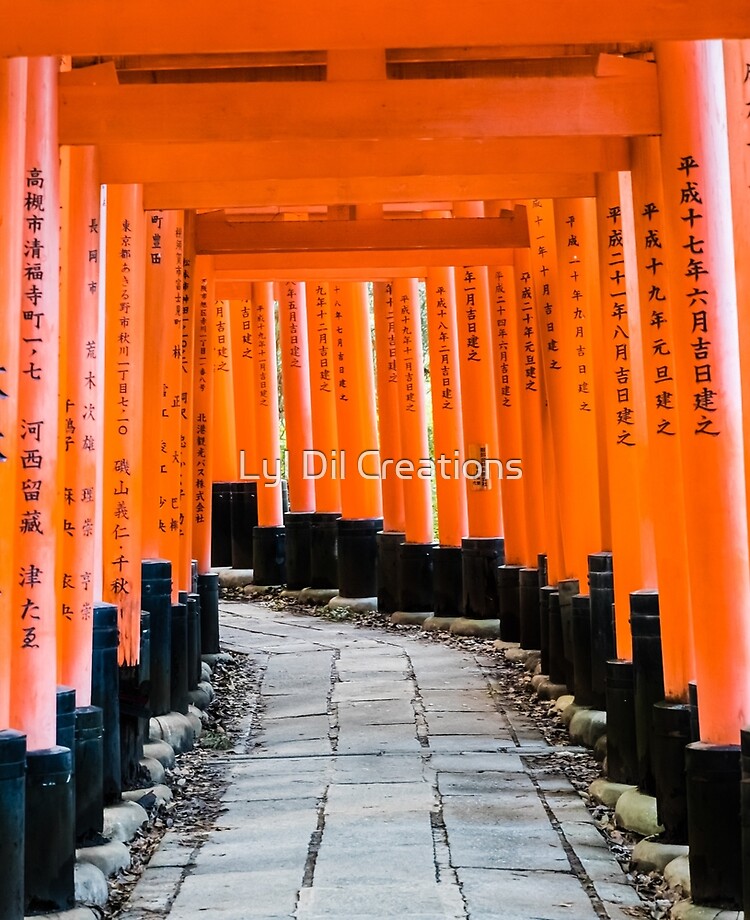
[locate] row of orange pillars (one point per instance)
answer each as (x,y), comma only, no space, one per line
(587,425)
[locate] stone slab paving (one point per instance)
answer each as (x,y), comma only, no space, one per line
(380,776)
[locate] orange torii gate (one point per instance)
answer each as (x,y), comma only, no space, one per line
(564,104)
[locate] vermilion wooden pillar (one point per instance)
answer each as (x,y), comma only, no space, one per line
(295,375)
(448,446)
(736,69)
(554,374)
(201,359)
(355,402)
(477,386)
(361,501)
(389,429)
(700,265)
(226,458)
(268,559)
(80,407)
(415,554)
(267,405)
(664,472)
(321,466)
(447,406)
(323,398)
(186,288)
(242,377)
(412,419)
(123,412)
(483,548)
(531,401)
(507,386)
(575,229)
(504,309)
(12,226)
(623,400)
(37,531)
(163,454)
(386,317)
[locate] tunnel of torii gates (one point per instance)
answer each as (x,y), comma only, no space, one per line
(190,196)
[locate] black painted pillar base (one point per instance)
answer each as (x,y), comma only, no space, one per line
(50,831)
(545,595)
(221,524)
(480,558)
(12,822)
(65,721)
(358,556)
(324,556)
(298,549)
(269,556)
(713,775)
(671,722)
(509,601)
(557,671)
(105,693)
(243,519)
(388,542)
(134,706)
(528,608)
(581,631)
(603,649)
(648,679)
(622,751)
(178,687)
(194,639)
(156,597)
(208,591)
(745,817)
(415,577)
(695,726)
(567,589)
(447,581)
(89,759)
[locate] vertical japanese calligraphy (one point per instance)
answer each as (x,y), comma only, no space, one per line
(226,457)
(388,401)
(263,327)
(447,406)
(81,410)
(507,390)
(531,406)
(123,411)
(322,396)
(577,452)
(355,403)
(622,401)
(202,404)
(412,417)
(295,371)
(663,474)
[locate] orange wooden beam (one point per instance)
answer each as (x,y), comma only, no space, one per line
(220,233)
(621,104)
(224,161)
(366,190)
(229,289)
(309,265)
(103,27)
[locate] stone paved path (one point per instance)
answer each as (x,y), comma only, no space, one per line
(381,778)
